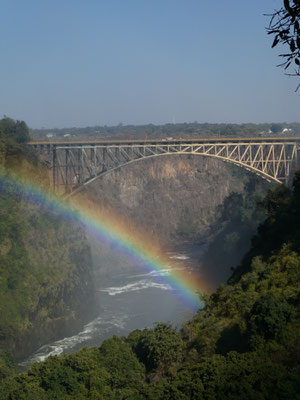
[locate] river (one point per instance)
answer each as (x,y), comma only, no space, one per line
(133,299)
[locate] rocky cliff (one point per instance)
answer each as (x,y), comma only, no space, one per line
(179,201)
(172,197)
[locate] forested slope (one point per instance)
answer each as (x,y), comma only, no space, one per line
(245,343)
(46,283)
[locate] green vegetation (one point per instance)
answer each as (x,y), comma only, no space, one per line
(182,130)
(13,134)
(14,131)
(244,344)
(45,263)
(276,128)
(285,26)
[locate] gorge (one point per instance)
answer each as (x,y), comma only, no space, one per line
(175,199)
(73,276)
(169,197)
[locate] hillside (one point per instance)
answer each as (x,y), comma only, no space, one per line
(244,344)
(46,277)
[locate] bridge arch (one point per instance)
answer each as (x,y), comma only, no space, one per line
(76,164)
(101,174)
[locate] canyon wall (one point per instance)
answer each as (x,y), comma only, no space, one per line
(171,197)
(46,277)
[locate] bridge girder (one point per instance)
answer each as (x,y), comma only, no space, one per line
(75,165)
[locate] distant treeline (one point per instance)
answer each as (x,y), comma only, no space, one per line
(193,129)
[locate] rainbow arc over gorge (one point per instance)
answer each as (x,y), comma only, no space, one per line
(112,231)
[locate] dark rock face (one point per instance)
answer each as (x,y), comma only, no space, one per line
(177,201)
(172,197)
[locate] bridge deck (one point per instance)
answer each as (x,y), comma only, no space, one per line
(164,141)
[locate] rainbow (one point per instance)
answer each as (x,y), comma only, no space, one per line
(110,230)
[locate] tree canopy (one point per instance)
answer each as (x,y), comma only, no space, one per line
(285,26)
(15,130)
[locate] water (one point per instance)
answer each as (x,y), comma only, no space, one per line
(127,301)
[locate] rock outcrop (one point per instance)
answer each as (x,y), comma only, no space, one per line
(171,197)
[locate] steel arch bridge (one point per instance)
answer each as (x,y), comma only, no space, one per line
(75,164)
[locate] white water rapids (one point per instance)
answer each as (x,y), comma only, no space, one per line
(128,301)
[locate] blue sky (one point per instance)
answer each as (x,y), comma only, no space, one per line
(101,62)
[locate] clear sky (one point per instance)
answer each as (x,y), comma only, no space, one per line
(101,62)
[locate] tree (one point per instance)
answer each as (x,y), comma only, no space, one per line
(285,26)
(16,130)
(270,315)
(276,128)
(157,347)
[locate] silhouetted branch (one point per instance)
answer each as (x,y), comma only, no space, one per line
(285,26)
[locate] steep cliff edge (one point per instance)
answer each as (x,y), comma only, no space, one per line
(179,201)
(172,197)
(46,276)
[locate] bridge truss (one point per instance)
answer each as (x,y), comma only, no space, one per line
(75,164)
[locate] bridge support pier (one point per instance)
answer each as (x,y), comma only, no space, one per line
(54,168)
